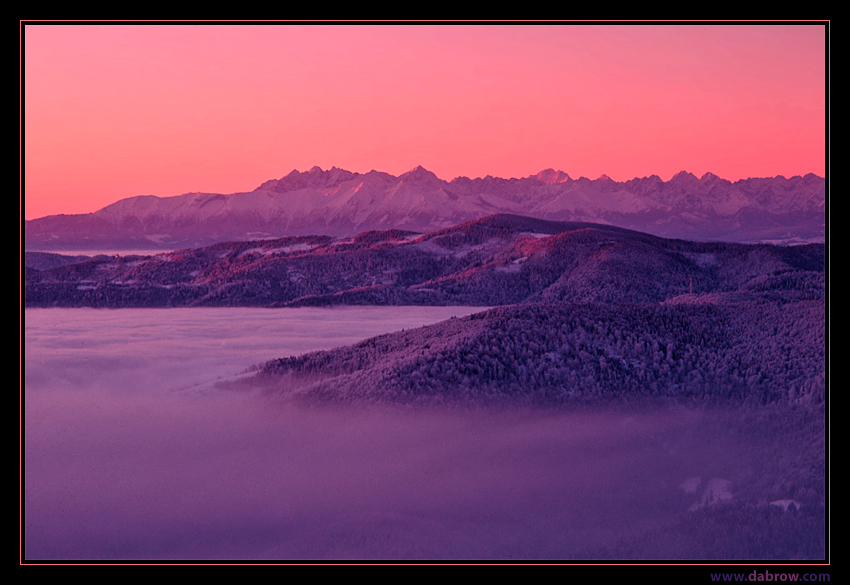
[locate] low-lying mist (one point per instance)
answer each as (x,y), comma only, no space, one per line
(132,453)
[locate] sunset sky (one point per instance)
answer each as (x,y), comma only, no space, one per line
(113,111)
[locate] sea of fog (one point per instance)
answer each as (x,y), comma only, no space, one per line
(130,452)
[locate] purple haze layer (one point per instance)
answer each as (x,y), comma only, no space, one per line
(131,453)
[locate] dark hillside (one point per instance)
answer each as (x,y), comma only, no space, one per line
(498,260)
(754,353)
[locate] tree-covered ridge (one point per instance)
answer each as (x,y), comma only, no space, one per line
(498,260)
(557,353)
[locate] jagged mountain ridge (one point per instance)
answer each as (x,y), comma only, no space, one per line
(337,202)
(499,260)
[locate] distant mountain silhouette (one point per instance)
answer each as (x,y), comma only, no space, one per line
(337,202)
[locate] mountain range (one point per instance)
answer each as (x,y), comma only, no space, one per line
(337,203)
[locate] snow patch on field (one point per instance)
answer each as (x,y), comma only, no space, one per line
(513,267)
(786,504)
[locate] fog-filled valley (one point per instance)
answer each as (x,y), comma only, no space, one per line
(139,445)
(505,388)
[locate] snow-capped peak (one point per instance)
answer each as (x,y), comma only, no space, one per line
(551,176)
(683,176)
(419,174)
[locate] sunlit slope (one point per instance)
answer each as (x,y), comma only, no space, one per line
(501,259)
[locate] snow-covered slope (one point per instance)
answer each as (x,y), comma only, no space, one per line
(500,259)
(339,202)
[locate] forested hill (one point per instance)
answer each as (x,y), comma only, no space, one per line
(499,260)
(558,353)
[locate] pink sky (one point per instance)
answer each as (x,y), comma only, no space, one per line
(116,111)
